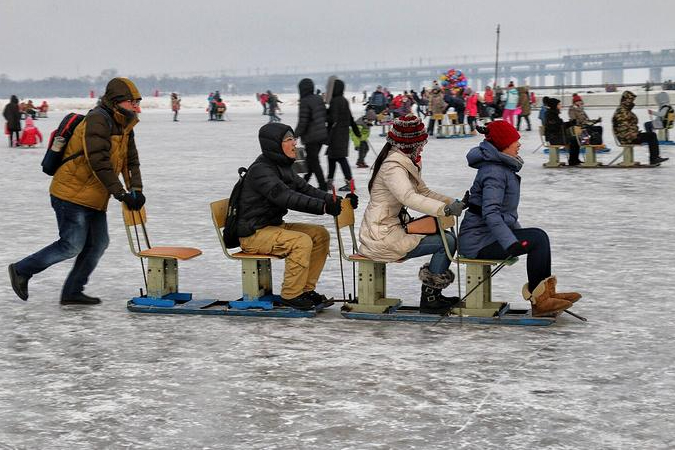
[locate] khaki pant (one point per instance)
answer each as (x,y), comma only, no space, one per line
(304,246)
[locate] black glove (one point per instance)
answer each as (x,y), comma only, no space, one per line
(140,198)
(465,199)
(131,201)
(518,248)
(353,199)
(334,207)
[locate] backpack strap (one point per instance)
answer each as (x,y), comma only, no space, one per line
(108,120)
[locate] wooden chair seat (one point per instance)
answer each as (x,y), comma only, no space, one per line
(486,262)
(360,257)
(244,255)
(182,253)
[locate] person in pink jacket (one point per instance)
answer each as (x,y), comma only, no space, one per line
(31,135)
(472,110)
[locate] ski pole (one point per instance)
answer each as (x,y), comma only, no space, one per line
(342,271)
(138,241)
(582,318)
(352,189)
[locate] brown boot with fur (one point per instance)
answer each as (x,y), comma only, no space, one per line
(552,282)
(542,303)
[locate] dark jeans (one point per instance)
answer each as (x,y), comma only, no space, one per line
(538,255)
(314,166)
(433,245)
(363,150)
(344,165)
(649,137)
(175,116)
(83,232)
(649,126)
(527,119)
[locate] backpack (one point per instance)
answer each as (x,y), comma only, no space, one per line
(53,159)
(232,215)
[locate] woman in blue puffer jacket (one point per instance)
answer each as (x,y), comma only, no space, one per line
(490,228)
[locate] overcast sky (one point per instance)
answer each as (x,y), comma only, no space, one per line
(41,38)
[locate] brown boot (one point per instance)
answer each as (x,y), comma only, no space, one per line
(551,283)
(542,303)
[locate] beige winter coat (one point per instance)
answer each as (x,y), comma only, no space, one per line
(398,183)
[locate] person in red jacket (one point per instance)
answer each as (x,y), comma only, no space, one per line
(472,109)
(31,135)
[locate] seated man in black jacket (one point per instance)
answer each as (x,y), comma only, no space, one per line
(270,189)
(557,131)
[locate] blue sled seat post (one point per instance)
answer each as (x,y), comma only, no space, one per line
(162,272)
(256,275)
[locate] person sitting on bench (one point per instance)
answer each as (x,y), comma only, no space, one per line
(270,189)
(557,131)
(625,124)
(661,120)
(490,229)
(579,117)
(397,183)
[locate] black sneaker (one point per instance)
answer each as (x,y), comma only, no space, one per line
(19,283)
(657,161)
(79,299)
(303,302)
(319,299)
(345,188)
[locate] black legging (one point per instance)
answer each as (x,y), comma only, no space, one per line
(363,150)
(472,122)
(432,125)
(527,119)
(12,133)
(314,166)
(344,165)
(538,255)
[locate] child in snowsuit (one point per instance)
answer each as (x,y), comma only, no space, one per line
(361,143)
(31,135)
(661,120)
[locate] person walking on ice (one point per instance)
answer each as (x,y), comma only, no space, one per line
(102,146)
(270,189)
(490,229)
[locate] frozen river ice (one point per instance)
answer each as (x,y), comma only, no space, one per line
(101,377)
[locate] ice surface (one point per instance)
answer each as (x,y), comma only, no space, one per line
(101,377)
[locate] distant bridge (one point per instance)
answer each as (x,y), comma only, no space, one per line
(566,70)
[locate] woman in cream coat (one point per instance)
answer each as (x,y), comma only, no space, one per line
(396,183)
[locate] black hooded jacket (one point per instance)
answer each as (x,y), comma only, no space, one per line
(12,114)
(311,115)
(339,120)
(271,186)
(555,129)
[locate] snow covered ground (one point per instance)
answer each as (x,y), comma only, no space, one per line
(101,377)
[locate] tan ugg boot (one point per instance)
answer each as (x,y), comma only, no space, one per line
(552,282)
(542,303)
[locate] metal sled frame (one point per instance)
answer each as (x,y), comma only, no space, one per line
(162,272)
(256,276)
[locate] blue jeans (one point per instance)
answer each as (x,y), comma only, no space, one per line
(83,232)
(433,245)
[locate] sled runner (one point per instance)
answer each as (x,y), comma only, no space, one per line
(372,302)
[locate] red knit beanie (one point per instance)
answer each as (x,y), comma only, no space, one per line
(576,98)
(501,134)
(407,133)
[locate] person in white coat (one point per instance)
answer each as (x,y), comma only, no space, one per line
(396,184)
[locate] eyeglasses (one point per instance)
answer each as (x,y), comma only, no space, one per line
(290,140)
(133,102)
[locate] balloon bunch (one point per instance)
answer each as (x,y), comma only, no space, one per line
(453,78)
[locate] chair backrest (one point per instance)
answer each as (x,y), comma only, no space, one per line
(134,219)
(218,216)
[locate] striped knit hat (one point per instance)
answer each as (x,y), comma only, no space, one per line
(407,133)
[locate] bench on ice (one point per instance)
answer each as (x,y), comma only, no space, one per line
(452,123)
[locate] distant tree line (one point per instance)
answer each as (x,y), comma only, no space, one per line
(80,87)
